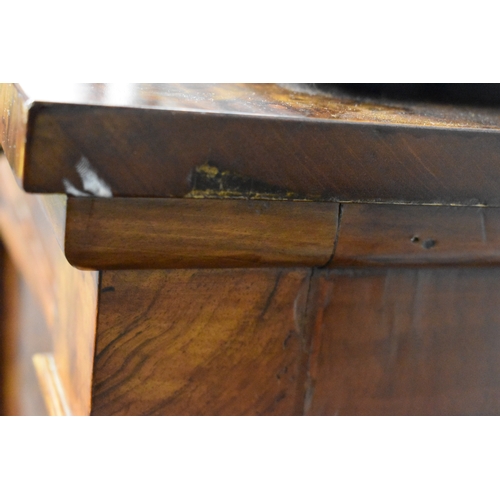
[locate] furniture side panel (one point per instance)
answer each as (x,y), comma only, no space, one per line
(201,342)
(405,342)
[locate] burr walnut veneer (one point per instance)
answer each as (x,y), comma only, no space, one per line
(237,249)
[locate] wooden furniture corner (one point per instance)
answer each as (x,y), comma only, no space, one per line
(243,249)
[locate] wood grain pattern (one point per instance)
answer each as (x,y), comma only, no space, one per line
(405,342)
(151,140)
(201,342)
(68,296)
(14,109)
(148,233)
(417,235)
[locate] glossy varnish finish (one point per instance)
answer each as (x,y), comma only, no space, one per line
(405,342)
(28,334)
(150,141)
(142,233)
(395,341)
(172,233)
(50,385)
(201,342)
(211,176)
(3,327)
(12,390)
(14,109)
(68,297)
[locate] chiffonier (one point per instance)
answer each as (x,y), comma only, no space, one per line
(248,249)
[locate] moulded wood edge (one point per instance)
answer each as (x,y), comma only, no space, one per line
(124,233)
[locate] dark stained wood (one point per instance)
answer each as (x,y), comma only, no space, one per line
(417,235)
(201,342)
(405,342)
(9,324)
(67,296)
(215,175)
(172,233)
(151,140)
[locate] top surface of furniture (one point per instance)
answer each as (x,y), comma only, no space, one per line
(251,141)
(266,100)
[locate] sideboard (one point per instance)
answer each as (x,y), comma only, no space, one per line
(248,249)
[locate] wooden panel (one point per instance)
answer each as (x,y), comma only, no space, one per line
(411,235)
(152,141)
(68,296)
(50,385)
(201,342)
(12,386)
(14,108)
(3,327)
(405,342)
(29,237)
(28,334)
(148,233)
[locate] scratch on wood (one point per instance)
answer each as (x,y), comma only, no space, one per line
(270,296)
(483,225)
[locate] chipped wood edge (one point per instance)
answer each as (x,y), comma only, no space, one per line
(50,385)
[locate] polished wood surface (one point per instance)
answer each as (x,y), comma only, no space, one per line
(405,342)
(354,235)
(24,232)
(27,335)
(201,342)
(50,385)
(3,327)
(151,141)
(53,208)
(23,331)
(68,297)
(145,233)
(137,233)
(14,108)
(12,388)
(335,342)
(255,99)
(392,235)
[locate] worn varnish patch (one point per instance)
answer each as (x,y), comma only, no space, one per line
(208,181)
